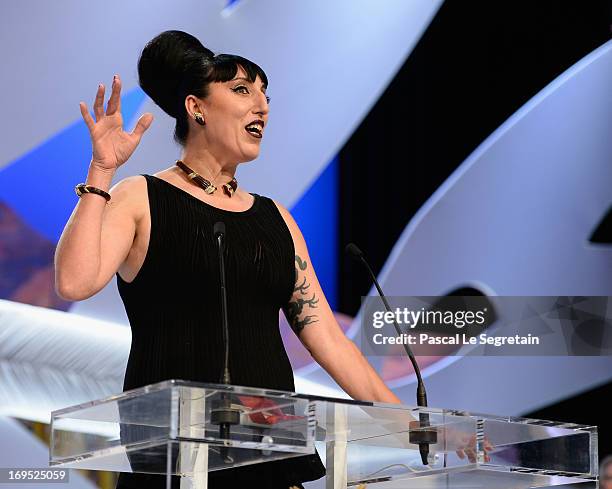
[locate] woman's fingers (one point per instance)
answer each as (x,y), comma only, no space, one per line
(114,103)
(144,122)
(471,455)
(86,116)
(487,447)
(98,106)
(468,449)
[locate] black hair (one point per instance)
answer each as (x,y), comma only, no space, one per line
(175,64)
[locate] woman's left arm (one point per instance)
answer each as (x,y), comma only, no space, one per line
(313,321)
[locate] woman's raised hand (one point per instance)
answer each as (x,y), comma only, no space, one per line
(111,145)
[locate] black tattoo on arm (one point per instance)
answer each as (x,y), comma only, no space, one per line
(298,310)
(301,263)
(303,287)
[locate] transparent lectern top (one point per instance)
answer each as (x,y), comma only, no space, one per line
(177,427)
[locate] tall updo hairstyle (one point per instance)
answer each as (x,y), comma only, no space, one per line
(175,64)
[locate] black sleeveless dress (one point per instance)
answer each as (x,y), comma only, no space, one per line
(174,310)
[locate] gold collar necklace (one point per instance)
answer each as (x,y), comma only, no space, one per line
(229,188)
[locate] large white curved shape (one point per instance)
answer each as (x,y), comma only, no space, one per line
(51,359)
(514,219)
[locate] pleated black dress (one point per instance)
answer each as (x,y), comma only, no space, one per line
(174,309)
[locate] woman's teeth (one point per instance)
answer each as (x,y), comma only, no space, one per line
(254,130)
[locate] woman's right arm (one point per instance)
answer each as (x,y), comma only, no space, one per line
(99,235)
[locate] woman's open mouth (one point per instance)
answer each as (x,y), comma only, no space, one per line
(255,129)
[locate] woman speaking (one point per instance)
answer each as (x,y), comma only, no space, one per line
(155,232)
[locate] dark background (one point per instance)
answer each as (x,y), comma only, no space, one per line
(476,64)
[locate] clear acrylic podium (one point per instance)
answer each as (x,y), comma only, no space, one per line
(173,428)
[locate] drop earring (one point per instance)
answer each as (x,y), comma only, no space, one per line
(198,118)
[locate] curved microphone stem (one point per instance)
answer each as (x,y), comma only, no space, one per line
(421,393)
(424,437)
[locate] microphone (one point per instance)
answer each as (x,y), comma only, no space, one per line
(222,412)
(423,438)
(219,233)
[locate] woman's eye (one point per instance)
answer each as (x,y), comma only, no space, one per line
(243,89)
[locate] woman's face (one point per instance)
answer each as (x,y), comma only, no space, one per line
(228,110)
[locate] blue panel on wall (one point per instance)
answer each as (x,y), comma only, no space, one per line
(39,186)
(317,215)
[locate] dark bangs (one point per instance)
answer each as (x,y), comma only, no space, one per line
(225,67)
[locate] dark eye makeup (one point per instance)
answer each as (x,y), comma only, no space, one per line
(236,89)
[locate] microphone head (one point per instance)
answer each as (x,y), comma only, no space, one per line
(219,229)
(353,250)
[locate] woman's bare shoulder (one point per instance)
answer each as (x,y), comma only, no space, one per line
(130,195)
